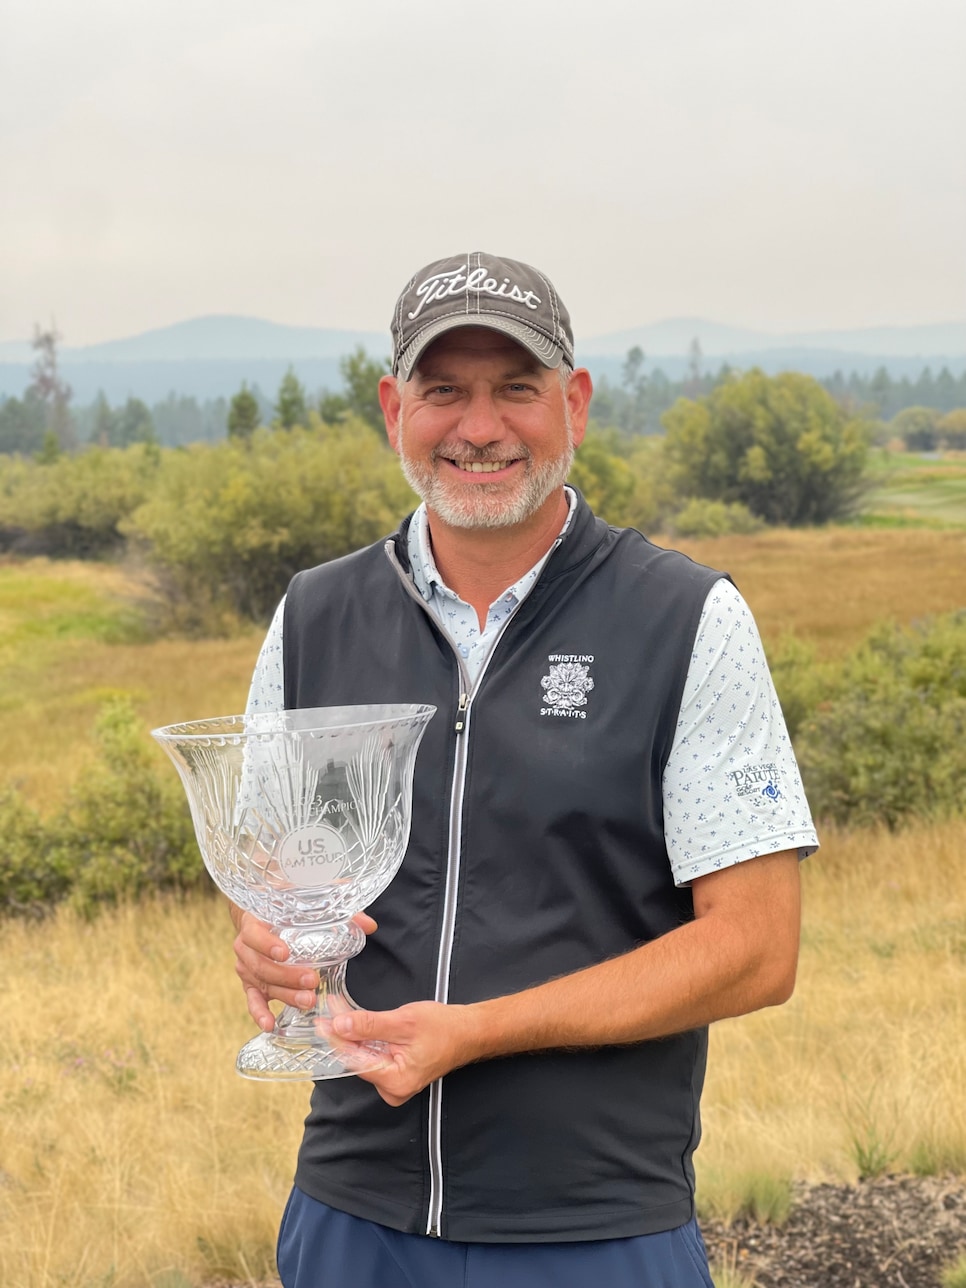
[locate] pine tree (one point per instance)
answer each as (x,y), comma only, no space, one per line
(243,415)
(290,407)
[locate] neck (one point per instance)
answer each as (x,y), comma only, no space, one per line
(480,563)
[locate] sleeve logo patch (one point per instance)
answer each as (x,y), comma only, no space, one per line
(758,781)
(567,685)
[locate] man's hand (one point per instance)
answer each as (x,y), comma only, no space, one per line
(426,1040)
(262,965)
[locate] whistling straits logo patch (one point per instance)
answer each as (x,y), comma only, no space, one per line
(567,685)
(760,782)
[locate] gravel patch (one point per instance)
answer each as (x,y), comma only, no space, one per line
(892,1232)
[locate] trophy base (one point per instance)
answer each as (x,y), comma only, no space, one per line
(271,1058)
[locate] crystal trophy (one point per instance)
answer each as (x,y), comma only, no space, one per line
(302,818)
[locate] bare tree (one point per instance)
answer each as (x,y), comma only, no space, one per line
(50,386)
(695,361)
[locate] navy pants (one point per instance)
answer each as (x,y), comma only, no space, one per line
(319,1247)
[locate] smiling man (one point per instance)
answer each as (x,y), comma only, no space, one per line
(478,404)
(607,825)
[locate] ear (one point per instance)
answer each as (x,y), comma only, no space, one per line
(390,402)
(579,392)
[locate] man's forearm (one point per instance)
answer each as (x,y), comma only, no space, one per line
(739,954)
(688,978)
(719,965)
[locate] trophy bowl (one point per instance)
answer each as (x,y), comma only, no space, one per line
(302,818)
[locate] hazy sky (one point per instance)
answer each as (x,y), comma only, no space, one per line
(784,164)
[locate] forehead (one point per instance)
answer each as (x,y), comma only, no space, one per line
(472,345)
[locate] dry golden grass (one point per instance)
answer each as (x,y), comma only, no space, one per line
(131,1153)
(59,663)
(830,585)
(869,1057)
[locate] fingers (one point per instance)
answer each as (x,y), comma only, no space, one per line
(261,938)
(423,1040)
(266,975)
(262,965)
(259,1009)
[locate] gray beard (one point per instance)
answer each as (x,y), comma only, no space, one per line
(476,508)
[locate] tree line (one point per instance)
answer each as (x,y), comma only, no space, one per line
(45,420)
(221,524)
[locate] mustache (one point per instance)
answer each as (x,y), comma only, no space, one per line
(466,453)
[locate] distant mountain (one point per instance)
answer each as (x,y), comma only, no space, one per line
(210,356)
(820,363)
(675,335)
(231,339)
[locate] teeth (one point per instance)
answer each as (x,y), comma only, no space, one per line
(481,467)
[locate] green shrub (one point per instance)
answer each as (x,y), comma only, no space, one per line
(916,426)
(229,524)
(33,874)
(603,476)
(704,518)
(952,430)
(890,744)
(72,506)
(801,681)
(124,831)
(781,445)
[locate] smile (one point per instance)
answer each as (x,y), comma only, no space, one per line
(482,467)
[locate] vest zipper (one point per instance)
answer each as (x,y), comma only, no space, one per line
(454,847)
(461,712)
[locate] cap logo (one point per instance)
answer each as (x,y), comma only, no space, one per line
(456,282)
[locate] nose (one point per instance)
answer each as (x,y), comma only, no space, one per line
(481,422)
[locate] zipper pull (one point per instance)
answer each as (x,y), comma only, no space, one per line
(461,712)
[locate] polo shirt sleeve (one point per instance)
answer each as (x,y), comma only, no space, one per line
(732,789)
(267,692)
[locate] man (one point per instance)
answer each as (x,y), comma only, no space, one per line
(607,824)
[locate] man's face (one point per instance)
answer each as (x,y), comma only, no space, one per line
(485,433)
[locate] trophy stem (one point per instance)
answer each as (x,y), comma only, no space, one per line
(298,1049)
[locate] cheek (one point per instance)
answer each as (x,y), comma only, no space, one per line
(412,441)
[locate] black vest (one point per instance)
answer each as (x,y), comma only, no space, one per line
(556,860)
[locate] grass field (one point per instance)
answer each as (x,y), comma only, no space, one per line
(132,1156)
(916,489)
(68,641)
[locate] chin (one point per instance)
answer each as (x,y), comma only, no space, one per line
(486,505)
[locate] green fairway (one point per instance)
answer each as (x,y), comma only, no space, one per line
(909,489)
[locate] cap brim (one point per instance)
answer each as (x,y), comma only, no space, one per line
(543,349)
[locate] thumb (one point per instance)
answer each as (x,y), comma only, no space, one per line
(356,1025)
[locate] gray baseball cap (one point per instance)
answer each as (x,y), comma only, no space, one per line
(478,289)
